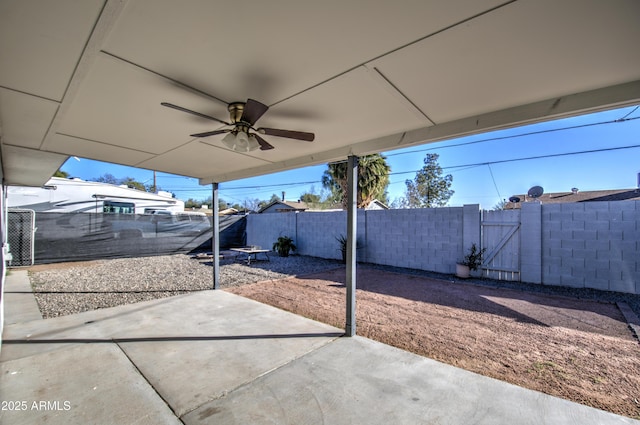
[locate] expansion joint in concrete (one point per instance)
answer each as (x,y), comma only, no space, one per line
(133,364)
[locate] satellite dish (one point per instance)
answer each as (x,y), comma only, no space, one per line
(514,199)
(535,192)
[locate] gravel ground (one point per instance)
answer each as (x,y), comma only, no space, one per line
(70,288)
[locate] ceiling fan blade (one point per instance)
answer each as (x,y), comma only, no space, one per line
(210,133)
(264,146)
(252,111)
(298,135)
(189,111)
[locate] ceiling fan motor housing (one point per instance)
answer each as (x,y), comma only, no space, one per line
(235,111)
(243,116)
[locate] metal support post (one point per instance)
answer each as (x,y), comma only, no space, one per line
(352,227)
(215,239)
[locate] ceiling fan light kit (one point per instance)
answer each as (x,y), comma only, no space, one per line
(241,142)
(243,115)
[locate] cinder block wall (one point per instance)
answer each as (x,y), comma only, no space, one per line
(426,239)
(318,233)
(264,229)
(584,245)
(592,245)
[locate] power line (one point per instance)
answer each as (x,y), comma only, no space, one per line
(513,136)
(545,156)
(494,181)
(634,109)
(460,167)
(270,185)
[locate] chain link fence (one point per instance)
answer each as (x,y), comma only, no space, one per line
(21,227)
(56,237)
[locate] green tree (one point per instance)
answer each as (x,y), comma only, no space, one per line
(62,174)
(500,205)
(310,198)
(106,178)
(208,201)
(429,188)
(316,200)
(133,183)
(127,181)
(399,203)
(373,179)
(192,203)
(274,198)
(252,204)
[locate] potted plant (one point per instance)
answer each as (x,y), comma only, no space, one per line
(342,240)
(283,245)
(471,262)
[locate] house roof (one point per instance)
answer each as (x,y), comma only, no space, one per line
(87,78)
(293,206)
(376,204)
(227,211)
(579,196)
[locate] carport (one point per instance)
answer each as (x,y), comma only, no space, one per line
(88,78)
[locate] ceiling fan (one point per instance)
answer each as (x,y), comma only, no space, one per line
(243,116)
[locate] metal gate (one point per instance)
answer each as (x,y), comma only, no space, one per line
(501,238)
(21,229)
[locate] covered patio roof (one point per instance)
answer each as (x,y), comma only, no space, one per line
(87,78)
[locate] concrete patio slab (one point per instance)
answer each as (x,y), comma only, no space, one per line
(357,380)
(88,384)
(236,341)
(191,348)
(35,337)
(19,303)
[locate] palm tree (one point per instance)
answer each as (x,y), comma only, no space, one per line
(373,179)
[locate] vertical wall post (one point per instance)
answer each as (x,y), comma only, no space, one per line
(471,226)
(215,238)
(531,242)
(352,227)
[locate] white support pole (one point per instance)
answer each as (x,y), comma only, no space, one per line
(352,227)
(215,238)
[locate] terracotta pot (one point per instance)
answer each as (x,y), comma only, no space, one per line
(462,271)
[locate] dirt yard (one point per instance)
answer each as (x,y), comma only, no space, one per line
(582,351)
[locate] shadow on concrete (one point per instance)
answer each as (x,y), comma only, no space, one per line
(169,338)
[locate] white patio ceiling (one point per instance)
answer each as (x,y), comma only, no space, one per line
(86,78)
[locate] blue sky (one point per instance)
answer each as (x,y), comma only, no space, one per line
(479,176)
